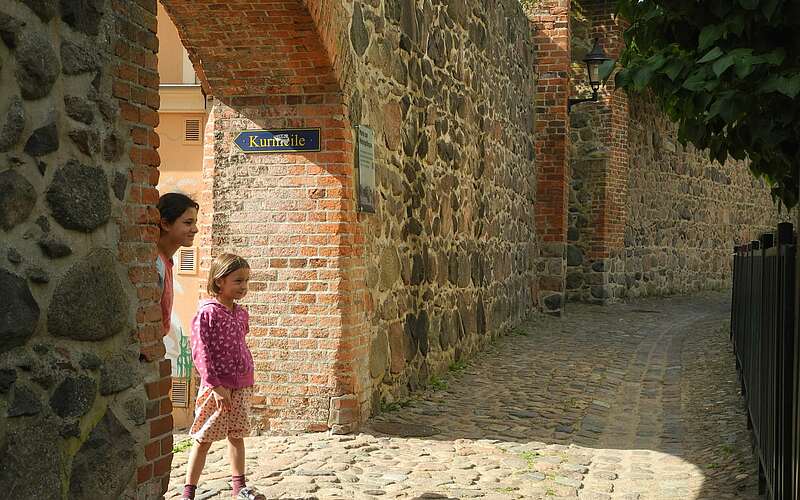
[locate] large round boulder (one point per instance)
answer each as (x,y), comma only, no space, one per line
(14,124)
(79,197)
(74,396)
(38,66)
(83,15)
(89,303)
(31,464)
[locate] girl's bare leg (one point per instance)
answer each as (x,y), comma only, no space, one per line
(197,460)
(236,455)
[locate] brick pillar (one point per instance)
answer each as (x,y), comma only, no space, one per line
(609,213)
(135,88)
(551,23)
(291,215)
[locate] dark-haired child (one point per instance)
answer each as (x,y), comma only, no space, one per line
(177,228)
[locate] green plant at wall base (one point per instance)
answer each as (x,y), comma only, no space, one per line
(389,407)
(518,332)
(457,366)
(386,407)
(728,73)
(530,458)
(182,446)
(438,384)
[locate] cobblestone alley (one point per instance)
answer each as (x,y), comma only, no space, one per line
(632,401)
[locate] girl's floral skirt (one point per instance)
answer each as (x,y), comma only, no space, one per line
(213,424)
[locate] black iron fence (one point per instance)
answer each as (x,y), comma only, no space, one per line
(767,356)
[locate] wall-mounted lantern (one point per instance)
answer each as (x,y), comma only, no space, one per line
(594,60)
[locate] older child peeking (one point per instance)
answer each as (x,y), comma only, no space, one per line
(226,371)
(177,228)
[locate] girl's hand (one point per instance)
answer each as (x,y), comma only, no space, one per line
(222,396)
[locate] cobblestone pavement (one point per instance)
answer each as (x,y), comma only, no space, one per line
(631,401)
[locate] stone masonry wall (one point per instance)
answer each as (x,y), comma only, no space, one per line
(678,213)
(450,256)
(83,407)
(588,157)
(685,213)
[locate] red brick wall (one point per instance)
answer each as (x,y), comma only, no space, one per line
(135,88)
(255,49)
(610,212)
(331,19)
(292,216)
(551,24)
(291,219)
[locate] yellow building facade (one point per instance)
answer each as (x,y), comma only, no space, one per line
(182,119)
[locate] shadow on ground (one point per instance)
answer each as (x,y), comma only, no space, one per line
(655,375)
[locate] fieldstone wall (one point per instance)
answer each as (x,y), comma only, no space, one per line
(685,213)
(683,216)
(77,305)
(647,215)
(585,278)
(451,254)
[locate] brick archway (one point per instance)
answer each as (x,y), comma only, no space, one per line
(291,215)
(329,348)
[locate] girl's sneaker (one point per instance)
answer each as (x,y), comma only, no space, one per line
(250,493)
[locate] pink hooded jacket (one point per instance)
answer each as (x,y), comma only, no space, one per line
(219,350)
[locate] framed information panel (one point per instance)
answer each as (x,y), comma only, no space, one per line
(365,165)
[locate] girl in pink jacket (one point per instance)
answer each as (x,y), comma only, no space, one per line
(225,364)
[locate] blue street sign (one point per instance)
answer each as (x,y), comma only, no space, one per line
(279,141)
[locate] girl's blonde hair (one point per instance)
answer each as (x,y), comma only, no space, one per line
(222,266)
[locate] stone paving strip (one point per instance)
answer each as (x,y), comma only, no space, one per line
(629,401)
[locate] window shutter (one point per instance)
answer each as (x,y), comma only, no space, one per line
(191,130)
(187,260)
(180,392)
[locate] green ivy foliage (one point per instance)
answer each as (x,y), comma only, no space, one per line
(728,73)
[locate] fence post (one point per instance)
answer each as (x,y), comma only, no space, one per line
(786,359)
(770,362)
